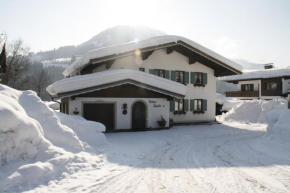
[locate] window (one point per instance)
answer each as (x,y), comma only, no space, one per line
(198,78)
(271,86)
(142,69)
(180,77)
(247,87)
(160,73)
(178,105)
(198,105)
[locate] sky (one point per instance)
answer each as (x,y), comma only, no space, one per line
(254,30)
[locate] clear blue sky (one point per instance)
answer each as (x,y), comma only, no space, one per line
(255,30)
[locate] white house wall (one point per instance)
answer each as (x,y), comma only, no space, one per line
(175,61)
(286,85)
(124,121)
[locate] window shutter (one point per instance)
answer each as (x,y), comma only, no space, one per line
(156,72)
(151,71)
(204,105)
(191,105)
(204,76)
(252,87)
(185,101)
(172,105)
(186,77)
(192,77)
(173,75)
(167,74)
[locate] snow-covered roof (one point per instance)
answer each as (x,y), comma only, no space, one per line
(110,78)
(166,41)
(262,74)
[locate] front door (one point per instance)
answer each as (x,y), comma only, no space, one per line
(139,116)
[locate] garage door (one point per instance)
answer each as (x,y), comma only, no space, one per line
(103,113)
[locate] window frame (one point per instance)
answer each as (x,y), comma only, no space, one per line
(159,72)
(195,105)
(244,86)
(269,88)
(197,74)
(142,69)
(177,75)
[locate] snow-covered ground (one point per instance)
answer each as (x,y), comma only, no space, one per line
(45,151)
(206,158)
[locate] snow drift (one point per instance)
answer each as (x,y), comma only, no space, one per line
(30,105)
(227,102)
(253,111)
(279,124)
(41,147)
(88,131)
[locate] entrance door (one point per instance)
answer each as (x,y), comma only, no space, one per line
(100,112)
(138,116)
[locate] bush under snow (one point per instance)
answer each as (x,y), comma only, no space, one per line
(252,111)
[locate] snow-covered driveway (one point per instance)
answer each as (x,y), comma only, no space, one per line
(208,158)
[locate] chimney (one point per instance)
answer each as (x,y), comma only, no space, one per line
(268,66)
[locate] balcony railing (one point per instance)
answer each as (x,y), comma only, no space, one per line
(243,94)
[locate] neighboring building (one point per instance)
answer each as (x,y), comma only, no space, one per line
(267,84)
(131,85)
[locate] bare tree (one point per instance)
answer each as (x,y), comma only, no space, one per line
(39,79)
(17,64)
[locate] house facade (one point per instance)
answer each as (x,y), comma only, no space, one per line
(188,69)
(266,84)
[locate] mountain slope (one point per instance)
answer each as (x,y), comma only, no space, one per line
(117,35)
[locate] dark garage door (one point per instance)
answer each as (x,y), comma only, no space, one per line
(103,113)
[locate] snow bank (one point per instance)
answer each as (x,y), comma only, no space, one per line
(88,131)
(252,111)
(53,105)
(21,137)
(227,102)
(279,124)
(42,149)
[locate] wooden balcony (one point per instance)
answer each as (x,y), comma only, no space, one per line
(243,94)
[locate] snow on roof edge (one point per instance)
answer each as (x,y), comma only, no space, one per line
(261,74)
(110,76)
(149,42)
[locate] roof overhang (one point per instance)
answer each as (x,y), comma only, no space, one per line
(112,78)
(194,52)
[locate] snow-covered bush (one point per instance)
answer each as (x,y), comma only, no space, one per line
(253,111)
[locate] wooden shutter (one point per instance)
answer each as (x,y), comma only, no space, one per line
(167,74)
(186,77)
(204,77)
(151,71)
(185,104)
(173,75)
(204,104)
(156,72)
(172,105)
(192,77)
(252,87)
(191,105)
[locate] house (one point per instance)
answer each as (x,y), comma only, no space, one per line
(270,83)
(133,85)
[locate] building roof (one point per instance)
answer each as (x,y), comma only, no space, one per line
(177,43)
(111,78)
(262,74)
